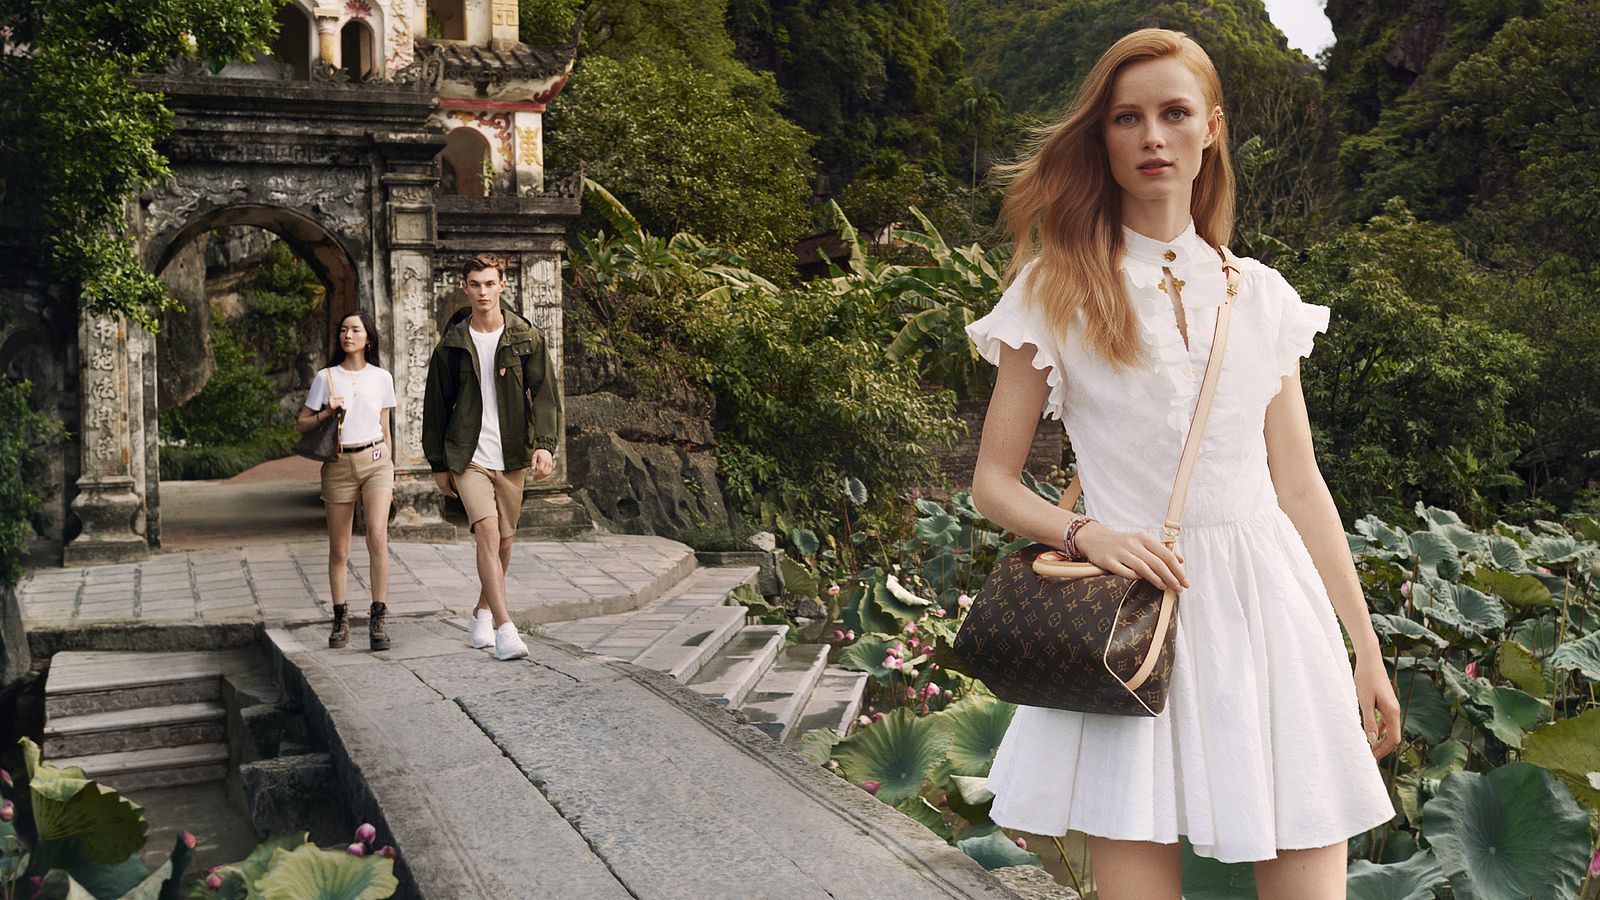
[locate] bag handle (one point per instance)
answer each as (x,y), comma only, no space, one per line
(1202,411)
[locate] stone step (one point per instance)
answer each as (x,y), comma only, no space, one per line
(102,681)
(779,697)
(132,770)
(686,648)
(835,702)
(730,675)
(624,635)
(113,731)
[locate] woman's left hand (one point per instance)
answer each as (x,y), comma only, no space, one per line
(1380,709)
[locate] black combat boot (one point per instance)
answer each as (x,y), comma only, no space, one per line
(377,635)
(341,627)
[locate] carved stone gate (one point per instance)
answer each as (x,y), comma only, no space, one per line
(346,174)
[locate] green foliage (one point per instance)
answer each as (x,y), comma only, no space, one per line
(23,431)
(1411,395)
(805,394)
(235,405)
(282,307)
(80,137)
(81,837)
(686,151)
(860,76)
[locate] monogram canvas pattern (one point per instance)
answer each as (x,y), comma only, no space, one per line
(1066,643)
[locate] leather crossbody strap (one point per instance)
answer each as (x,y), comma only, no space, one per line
(1202,410)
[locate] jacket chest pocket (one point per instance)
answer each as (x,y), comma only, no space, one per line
(510,360)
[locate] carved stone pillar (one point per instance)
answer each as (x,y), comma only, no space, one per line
(527,150)
(548,510)
(109,502)
(328,33)
(503,24)
(412,336)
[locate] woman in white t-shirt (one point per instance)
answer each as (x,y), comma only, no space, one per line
(354,383)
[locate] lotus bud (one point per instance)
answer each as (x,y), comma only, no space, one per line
(214,881)
(850,635)
(838,634)
(1405,588)
(933,667)
(911,693)
(1022,843)
(366,834)
(876,716)
(944,801)
(922,710)
(386,852)
(871,787)
(915,643)
(939,612)
(188,840)
(7,811)
(911,628)
(5,778)
(963,601)
(864,719)
(357,850)
(890,661)
(833,590)
(1472,669)
(1594,863)
(908,671)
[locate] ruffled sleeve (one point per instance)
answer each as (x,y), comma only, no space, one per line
(1299,323)
(1015,322)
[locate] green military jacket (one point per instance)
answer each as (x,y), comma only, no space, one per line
(526,390)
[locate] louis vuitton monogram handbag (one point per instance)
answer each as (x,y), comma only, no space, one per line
(1049,631)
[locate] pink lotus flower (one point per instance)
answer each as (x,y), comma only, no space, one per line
(864,720)
(940,612)
(1022,843)
(897,650)
(911,628)
(366,834)
(1594,863)
(876,716)
(7,811)
(915,643)
(1541,570)
(188,840)
(933,667)
(911,693)
(214,882)
(963,601)
(1405,588)
(932,690)
(871,787)
(1472,669)
(922,710)
(833,590)
(890,661)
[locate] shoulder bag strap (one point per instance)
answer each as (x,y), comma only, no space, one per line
(1202,411)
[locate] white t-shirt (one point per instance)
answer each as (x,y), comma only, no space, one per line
(488,452)
(367,392)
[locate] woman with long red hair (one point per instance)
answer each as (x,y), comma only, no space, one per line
(1266,750)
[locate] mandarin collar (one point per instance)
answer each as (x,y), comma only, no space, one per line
(1193,261)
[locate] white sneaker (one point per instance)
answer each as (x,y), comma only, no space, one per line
(481,629)
(508,644)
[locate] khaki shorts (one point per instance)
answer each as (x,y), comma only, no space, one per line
(355,472)
(487,492)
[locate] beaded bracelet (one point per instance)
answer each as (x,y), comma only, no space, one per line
(1070,533)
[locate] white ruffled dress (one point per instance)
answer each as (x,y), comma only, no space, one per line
(1261,746)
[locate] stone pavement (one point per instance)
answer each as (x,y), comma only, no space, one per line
(570,775)
(288,582)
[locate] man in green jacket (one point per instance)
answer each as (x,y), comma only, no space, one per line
(491,411)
